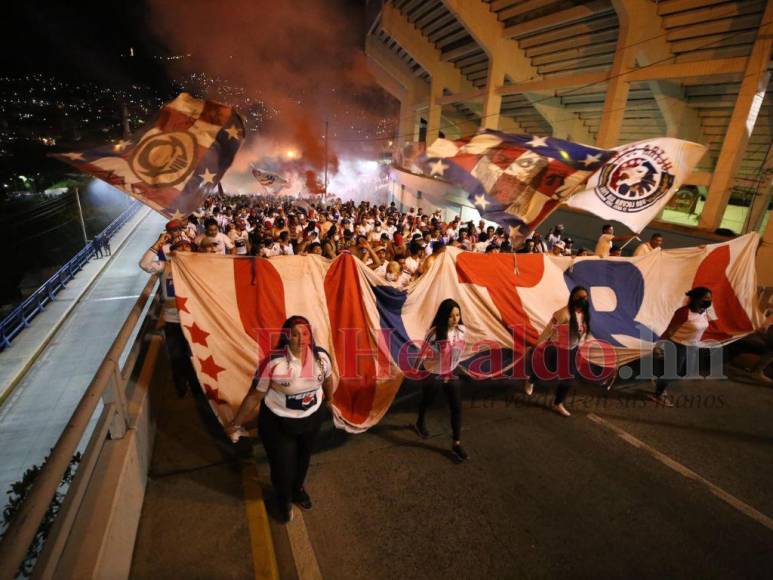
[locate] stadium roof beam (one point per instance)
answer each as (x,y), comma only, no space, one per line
(702,70)
(506,58)
(681,119)
(747,106)
(396,77)
(565,17)
(444,75)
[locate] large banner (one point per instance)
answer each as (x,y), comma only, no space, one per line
(172,164)
(232,307)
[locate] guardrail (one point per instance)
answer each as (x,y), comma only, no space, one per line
(19,318)
(109,385)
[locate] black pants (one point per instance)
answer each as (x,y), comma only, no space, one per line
(453,391)
(681,365)
(183,372)
(551,354)
(288,444)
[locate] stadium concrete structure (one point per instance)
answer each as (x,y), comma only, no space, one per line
(622,489)
(603,72)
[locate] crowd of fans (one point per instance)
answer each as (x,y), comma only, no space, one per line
(400,245)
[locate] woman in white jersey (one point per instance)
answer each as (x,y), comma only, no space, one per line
(685,332)
(567,330)
(441,355)
(291,384)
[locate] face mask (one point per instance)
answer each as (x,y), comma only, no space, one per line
(336,237)
(391,277)
(581,302)
(705,304)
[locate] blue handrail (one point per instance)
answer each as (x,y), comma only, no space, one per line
(19,318)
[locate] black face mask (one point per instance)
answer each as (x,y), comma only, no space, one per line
(705,304)
(581,302)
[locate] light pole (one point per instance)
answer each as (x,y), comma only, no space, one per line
(324,195)
(80,213)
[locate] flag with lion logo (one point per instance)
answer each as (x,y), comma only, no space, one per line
(173,163)
(637,183)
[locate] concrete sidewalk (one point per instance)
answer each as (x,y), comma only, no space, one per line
(65,345)
(17,359)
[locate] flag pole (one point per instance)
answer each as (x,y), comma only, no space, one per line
(629,241)
(324,195)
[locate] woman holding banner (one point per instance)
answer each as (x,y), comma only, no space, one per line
(567,330)
(291,384)
(684,332)
(440,356)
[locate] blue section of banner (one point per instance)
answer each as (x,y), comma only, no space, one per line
(627,283)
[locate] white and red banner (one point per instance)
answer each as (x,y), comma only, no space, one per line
(231,309)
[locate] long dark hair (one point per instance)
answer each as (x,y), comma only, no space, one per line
(440,322)
(696,295)
(574,329)
(283,344)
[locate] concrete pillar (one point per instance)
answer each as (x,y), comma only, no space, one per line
(435,110)
(617,88)
(492,102)
(747,106)
(765,257)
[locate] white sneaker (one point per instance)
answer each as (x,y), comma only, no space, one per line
(528,388)
(762,377)
(561,410)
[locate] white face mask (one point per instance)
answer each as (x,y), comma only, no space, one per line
(391,277)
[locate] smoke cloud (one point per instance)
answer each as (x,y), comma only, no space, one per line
(302,58)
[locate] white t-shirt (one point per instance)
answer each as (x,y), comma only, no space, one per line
(240,240)
(603,245)
(221,241)
(282,250)
(411,264)
(643,249)
(694,324)
(293,390)
(444,360)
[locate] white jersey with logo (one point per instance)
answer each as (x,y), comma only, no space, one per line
(293,390)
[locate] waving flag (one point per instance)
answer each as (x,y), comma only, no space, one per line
(514,180)
(173,163)
(637,183)
(232,307)
(271,181)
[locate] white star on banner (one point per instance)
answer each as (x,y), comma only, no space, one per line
(74,156)
(438,168)
(480,200)
(233,132)
(538,141)
(177,215)
(207,177)
(591,159)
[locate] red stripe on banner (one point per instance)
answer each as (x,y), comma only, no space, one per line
(215,113)
(260,296)
(170,119)
(355,354)
(731,316)
(497,273)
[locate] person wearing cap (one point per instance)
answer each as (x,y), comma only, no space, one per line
(156,260)
(558,248)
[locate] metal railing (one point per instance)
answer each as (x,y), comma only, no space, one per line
(19,318)
(109,385)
